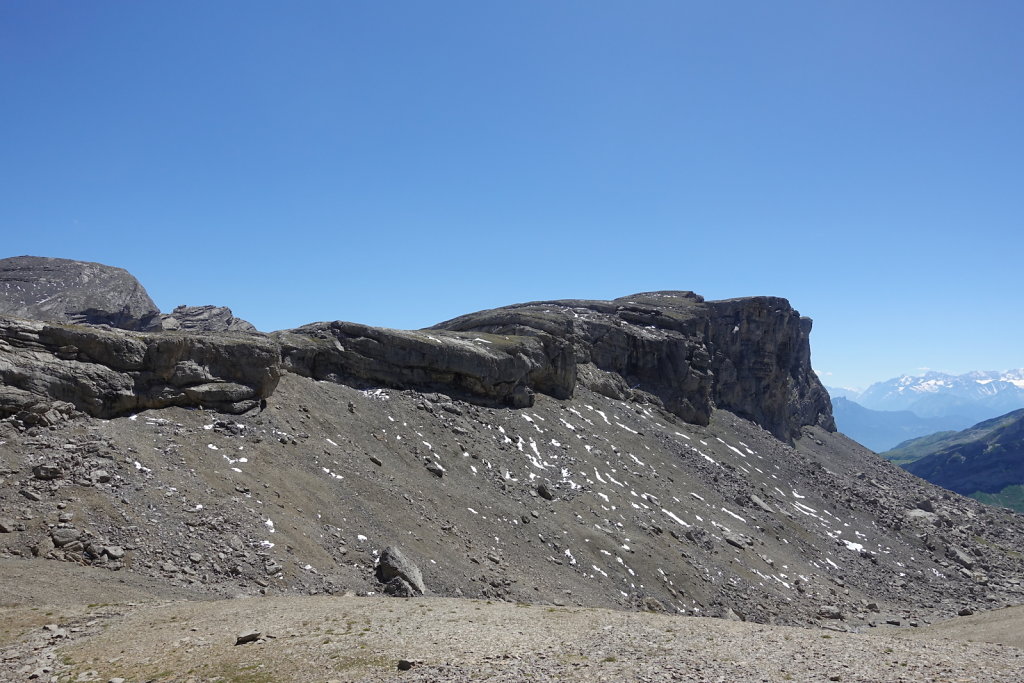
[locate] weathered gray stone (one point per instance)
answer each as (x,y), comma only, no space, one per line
(47,472)
(393,563)
(114,552)
(203,319)
(830,612)
(499,369)
(118,372)
(960,557)
(761,504)
(733,538)
(65,291)
(65,536)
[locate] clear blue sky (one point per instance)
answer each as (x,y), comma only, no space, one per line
(401,163)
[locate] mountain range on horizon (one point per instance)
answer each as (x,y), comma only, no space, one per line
(906,407)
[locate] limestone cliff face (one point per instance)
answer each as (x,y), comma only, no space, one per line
(750,356)
(48,370)
(503,370)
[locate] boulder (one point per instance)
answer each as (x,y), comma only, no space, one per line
(394,564)
(65,536)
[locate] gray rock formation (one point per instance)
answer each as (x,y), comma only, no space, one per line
(105,373)
(750,356)
(495,369)
(394,566)
(61,290)
(203,319)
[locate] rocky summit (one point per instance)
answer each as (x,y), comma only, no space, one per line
(656,452)
(61,290)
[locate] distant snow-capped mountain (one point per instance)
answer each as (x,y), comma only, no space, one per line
(980,394)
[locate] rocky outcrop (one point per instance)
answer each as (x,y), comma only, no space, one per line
(45,369)
(62,290)
(492,369)
(750,356)
(203,319)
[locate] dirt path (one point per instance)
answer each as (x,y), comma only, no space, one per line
(363,639)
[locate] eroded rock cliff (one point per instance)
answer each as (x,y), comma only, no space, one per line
(750,356)
(45,368)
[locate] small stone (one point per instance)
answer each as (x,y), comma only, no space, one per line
(376,461)
(65,536)
(195,558)
(544,492)
(965,612)
(114,552)
(830,612)
(31,495)
(47,472)
(100,476)
(404,665)
(247,637)
(7,526)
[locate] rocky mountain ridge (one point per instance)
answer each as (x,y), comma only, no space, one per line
(81,292)
(655,451)
(750,356)
(986,458)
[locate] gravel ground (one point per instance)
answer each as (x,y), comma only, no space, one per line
(363,639)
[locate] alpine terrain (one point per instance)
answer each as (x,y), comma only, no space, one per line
(570,483)
(985,462)
(906,407)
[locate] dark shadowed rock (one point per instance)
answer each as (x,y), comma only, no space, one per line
(62,290)
(203,319)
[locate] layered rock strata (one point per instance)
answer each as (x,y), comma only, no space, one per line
(105,373)
(750,356)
